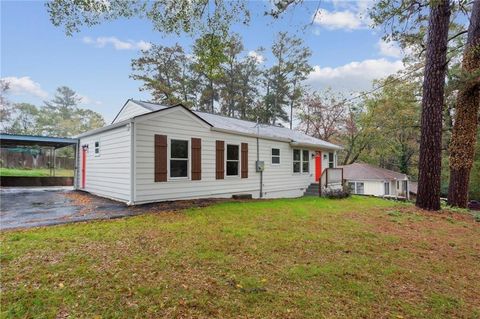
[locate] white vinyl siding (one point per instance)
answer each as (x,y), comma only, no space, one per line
(107,175)
(130,110)
(278,180)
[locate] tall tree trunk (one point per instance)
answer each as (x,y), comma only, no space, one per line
(462,147)
(430,165)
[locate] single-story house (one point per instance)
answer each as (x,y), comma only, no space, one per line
(366,179)
(153,153)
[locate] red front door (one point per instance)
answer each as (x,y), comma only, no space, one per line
(318,166)
(84,159)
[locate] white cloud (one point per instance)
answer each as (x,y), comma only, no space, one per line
(348,15)
(353,76)
(257,56)
(25,86)
(117,44)
(390,49)
(338,20)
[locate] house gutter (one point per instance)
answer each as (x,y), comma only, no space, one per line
(271,138)
(310,145)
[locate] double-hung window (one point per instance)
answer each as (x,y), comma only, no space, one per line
(97,148)
(356,187)
(296,161)
(387,188)
(305,161)
(178,158)
(331,160)
(232,160)
(360,188)
(275,156)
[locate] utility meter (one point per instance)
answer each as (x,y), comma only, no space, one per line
(260,166)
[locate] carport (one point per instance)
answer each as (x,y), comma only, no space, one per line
(31,142)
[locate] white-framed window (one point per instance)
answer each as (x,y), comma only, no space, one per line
(351,186)
(305,161)
(178,158)
(97,148)
(233,160)
(357,187)
(387,188)
(331,160)
(275,156)
(297,161)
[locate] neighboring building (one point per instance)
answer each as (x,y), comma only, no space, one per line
(155,153)
(412,189)
(365,179)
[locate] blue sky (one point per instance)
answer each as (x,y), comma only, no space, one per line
(37,57)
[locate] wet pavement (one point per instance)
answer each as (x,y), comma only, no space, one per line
(42,206)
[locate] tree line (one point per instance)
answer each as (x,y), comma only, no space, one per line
(61,116)
(219,76)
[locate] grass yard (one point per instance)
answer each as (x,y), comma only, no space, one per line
(303,258)
(34,172)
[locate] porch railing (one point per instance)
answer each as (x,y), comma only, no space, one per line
(330,177)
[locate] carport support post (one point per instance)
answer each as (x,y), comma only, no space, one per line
(54,150)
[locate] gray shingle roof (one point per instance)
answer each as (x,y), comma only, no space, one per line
(361,171)
(248,127)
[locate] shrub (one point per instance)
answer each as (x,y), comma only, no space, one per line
(336,193)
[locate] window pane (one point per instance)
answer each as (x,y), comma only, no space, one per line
(232,152)
(232,168)
(275,160)
(275,151)
(97,144)
(296,167)
(178,168)
(330,165)
(305,156)
(387,188)
(296,155)
(305,167)
(359,188)
(351,186)
(330,157)
(179,149)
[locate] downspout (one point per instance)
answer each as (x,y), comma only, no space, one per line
(258,159)
(132,163)
(77,164)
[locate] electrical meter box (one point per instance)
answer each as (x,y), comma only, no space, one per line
(259,166)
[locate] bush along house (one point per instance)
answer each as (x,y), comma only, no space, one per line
(153,153)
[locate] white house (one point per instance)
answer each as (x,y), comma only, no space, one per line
(155,153)
(367,179)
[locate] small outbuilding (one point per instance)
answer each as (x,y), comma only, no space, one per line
(366,179)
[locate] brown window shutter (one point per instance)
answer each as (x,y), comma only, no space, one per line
(220,159)
(160,158)
(244,160)
(196,159)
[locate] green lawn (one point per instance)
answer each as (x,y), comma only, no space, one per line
(303,258)
(34,172)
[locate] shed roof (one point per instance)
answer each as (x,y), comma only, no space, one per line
(362,171)
(251,128)
(13,140)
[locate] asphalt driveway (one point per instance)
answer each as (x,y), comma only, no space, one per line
(32,207)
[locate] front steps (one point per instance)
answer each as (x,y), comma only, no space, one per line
(312,190)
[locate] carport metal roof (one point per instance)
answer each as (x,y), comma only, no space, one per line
(13,140)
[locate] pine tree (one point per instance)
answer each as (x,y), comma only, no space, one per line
(462,147)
